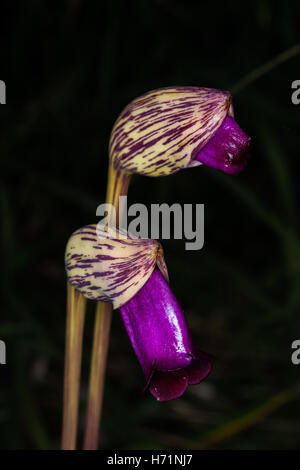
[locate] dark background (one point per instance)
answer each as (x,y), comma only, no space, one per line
(70,67)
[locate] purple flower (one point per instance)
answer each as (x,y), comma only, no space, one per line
(159,335)
(228,148)
(131,273)
(166,130)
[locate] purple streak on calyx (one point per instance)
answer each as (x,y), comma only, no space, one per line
(157,133)
(158,331)
(227,150)
(109,265)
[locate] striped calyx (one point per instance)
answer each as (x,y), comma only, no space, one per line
(107,264)
(161,131)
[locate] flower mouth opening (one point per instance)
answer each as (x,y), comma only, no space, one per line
(227,150)
(166,385)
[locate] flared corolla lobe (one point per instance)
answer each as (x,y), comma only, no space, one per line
(107,264)
(161,131)
(227,150)
(159,335)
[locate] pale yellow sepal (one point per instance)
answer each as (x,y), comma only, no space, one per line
(107,264)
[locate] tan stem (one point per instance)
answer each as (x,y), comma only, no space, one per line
(117,186)
(76,306)
(97,374)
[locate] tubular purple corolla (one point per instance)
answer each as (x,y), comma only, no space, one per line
(159,334)
(227,149)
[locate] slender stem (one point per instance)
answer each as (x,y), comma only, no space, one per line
(76,306)
(97,374)
(265,68)
(117,186)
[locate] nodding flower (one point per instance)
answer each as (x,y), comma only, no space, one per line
(109,265)
(166,130)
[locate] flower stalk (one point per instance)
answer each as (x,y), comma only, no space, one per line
(97,376)
(76,307)
(118,182)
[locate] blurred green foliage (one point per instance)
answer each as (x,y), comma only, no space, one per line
(70,67)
